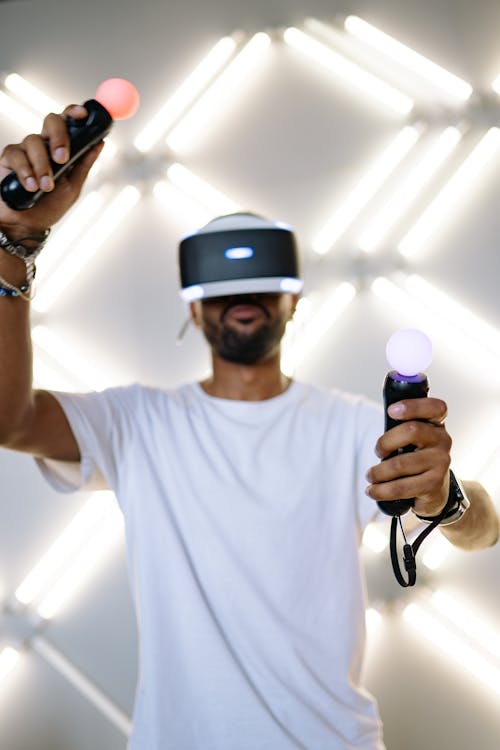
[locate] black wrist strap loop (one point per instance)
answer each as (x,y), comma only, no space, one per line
(409,551)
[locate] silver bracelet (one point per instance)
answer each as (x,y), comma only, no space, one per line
(458,504)
(26,254)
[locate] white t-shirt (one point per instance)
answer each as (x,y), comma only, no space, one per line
(243,522)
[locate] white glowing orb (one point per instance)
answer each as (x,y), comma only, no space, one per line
(409,351)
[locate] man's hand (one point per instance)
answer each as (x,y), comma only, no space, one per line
(30,160)
(422,474)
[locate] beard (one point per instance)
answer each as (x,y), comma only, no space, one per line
(241,347)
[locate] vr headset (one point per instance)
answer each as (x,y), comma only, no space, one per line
(239,253)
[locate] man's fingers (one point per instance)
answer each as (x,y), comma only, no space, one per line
(409,464)
(419,434)
(432,409)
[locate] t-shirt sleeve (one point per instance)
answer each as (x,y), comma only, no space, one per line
(370,426)
(102,423)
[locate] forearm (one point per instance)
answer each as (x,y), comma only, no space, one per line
(15,343)
(479,527)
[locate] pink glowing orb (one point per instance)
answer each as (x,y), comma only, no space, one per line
(409,351)
(119,97)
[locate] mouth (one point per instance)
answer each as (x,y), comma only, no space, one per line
(244,311)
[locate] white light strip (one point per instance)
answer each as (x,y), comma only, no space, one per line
(496,85)
(442,305)
(447,202)
(48,376)
(58,556)
(479,358)
(83,565)
(462,616)
(185,94)
(406,193)
(21,116)
(31,95)
(84,686)
(61,352)
(436,551)
(351,73)
(9,658)
(200,190)
(111,217)
(216,100)
(373,620)
(319,325)
(181,208)
(406,56)
(454,647)
(61,241)
(375,539)
(366,189)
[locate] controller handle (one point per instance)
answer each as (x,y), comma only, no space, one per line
(396,388)
(83,135)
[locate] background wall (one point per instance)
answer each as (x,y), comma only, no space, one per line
(291,141)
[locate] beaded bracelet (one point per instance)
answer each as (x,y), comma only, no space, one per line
(9,290)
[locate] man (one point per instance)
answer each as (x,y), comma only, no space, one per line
(244,504)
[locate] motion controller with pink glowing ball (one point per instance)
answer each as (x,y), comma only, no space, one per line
(116,99)
(409,351)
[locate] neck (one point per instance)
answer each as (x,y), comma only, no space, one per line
(246,382)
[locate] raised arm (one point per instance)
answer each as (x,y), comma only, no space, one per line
(32,421)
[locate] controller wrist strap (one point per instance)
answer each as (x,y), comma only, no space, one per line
(409,550)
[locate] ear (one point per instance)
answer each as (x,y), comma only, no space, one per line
(195,310)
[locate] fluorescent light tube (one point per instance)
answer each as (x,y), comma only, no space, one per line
(366,189)
(435,74)
(186,94)
(351,73)
(447,202)
(216,100)
(408,190)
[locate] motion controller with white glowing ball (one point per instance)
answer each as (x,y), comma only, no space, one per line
(115,99)
(409,352)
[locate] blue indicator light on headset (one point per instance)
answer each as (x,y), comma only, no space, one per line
(239,253)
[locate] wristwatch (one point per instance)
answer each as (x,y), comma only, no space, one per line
(457,505)
(27,254)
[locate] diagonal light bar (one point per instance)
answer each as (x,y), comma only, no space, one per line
(366,189)
(406,193)
(114,214)
(48,376)
(62,551)
(201,190)
(31,95)
(179,207)
(382,42)
(374,539)
(445,205)
(84,686)
(19,114)
(463,617)
(436,552)
(9,658)
(186,94)
(432,628)
(220,95)
(83,213)
(348,71)
(83,564)
(61,352)
(319,325)
(474,345)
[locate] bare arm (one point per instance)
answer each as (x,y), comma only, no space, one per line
(33,421)
(479,527)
